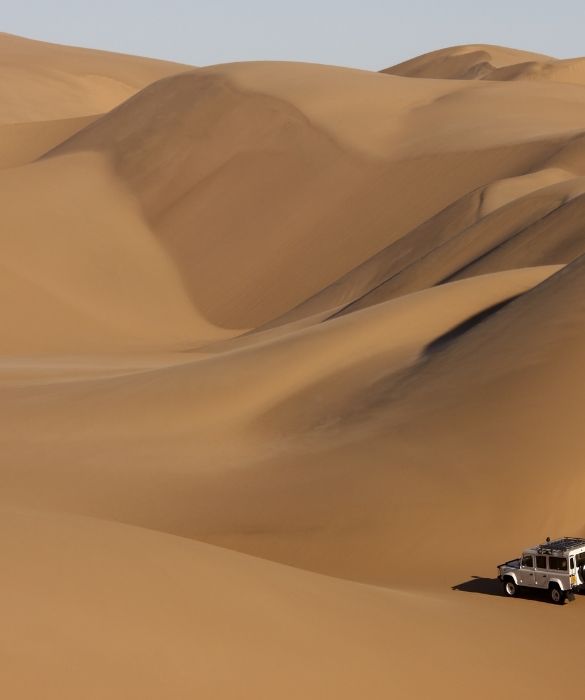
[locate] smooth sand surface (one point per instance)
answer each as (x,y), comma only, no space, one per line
(291,359)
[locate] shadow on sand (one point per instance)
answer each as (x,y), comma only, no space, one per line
(478,584)
(492,586)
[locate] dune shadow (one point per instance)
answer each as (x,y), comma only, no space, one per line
(447,338)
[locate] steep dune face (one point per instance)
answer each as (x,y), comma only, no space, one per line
(484,62)
(48,92)
(325,317)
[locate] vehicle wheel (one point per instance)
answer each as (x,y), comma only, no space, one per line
(557,596)
(510,588)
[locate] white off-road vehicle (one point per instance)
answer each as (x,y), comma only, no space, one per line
(557,567)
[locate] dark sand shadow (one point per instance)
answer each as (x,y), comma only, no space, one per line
(478,584)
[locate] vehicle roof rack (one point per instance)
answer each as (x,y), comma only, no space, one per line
(561,546)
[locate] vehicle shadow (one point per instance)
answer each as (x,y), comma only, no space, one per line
(479,584)
(492,586)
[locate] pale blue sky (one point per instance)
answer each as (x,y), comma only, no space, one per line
(366,34)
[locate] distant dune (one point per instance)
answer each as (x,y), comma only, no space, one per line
(484,62)
(291,358)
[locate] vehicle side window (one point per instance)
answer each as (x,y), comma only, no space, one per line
(581,559)
(557,563)
(541,562)
(528,561)
(572,562)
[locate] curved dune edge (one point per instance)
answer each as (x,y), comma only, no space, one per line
(42,81)
(22,143)
(484,230)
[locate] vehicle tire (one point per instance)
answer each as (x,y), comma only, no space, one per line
(510,588)
(556,595)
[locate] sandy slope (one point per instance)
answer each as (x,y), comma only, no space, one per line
(41,81)
(480,231)
(169,616)
(100,280)
(328,318)
(276,401)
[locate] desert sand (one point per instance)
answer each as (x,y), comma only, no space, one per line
(291,359)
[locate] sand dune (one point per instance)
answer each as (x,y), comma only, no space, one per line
(288,352)
(571,70)
(271,135)
(484,62)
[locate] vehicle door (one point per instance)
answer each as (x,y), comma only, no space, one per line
(527,570)
(559,569)
(541,573)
